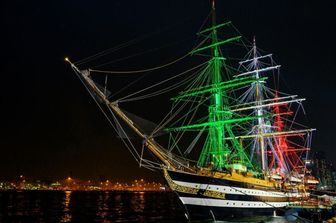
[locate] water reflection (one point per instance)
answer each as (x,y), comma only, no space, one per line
(138,202)
(66,211)
(92,206)
(103,208)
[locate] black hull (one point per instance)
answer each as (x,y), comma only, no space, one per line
(196,212)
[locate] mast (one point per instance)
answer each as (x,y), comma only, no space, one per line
(281,145)
(259,109)
(216,133)
(269,134)
(216,152)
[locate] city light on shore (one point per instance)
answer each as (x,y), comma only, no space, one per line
(83,185)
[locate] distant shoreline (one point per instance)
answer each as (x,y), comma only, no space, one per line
(103,190)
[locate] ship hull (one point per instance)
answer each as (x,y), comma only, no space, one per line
(196,212)
(218,199)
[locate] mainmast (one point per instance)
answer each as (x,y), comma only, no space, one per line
(259,109)
(269,132)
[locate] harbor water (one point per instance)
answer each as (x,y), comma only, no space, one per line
(96,206)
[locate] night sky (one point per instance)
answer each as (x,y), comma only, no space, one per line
(51,127)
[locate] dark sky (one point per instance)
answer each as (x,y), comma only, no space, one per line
(50,125)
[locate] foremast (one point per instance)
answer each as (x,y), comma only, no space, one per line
(216,152)
(217,146)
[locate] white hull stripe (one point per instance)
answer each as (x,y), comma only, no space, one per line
(230,203)
(238,190)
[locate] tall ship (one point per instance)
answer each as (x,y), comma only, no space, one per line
(231,144)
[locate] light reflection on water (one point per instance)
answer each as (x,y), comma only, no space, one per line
(94,206)
(66,211)
(103,209)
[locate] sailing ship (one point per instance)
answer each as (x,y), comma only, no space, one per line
(244,152)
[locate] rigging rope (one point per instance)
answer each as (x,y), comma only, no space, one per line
(164,81)
(140,71)
(141,53)
(128,43)
(149,69)
(164,122)
(162,91)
